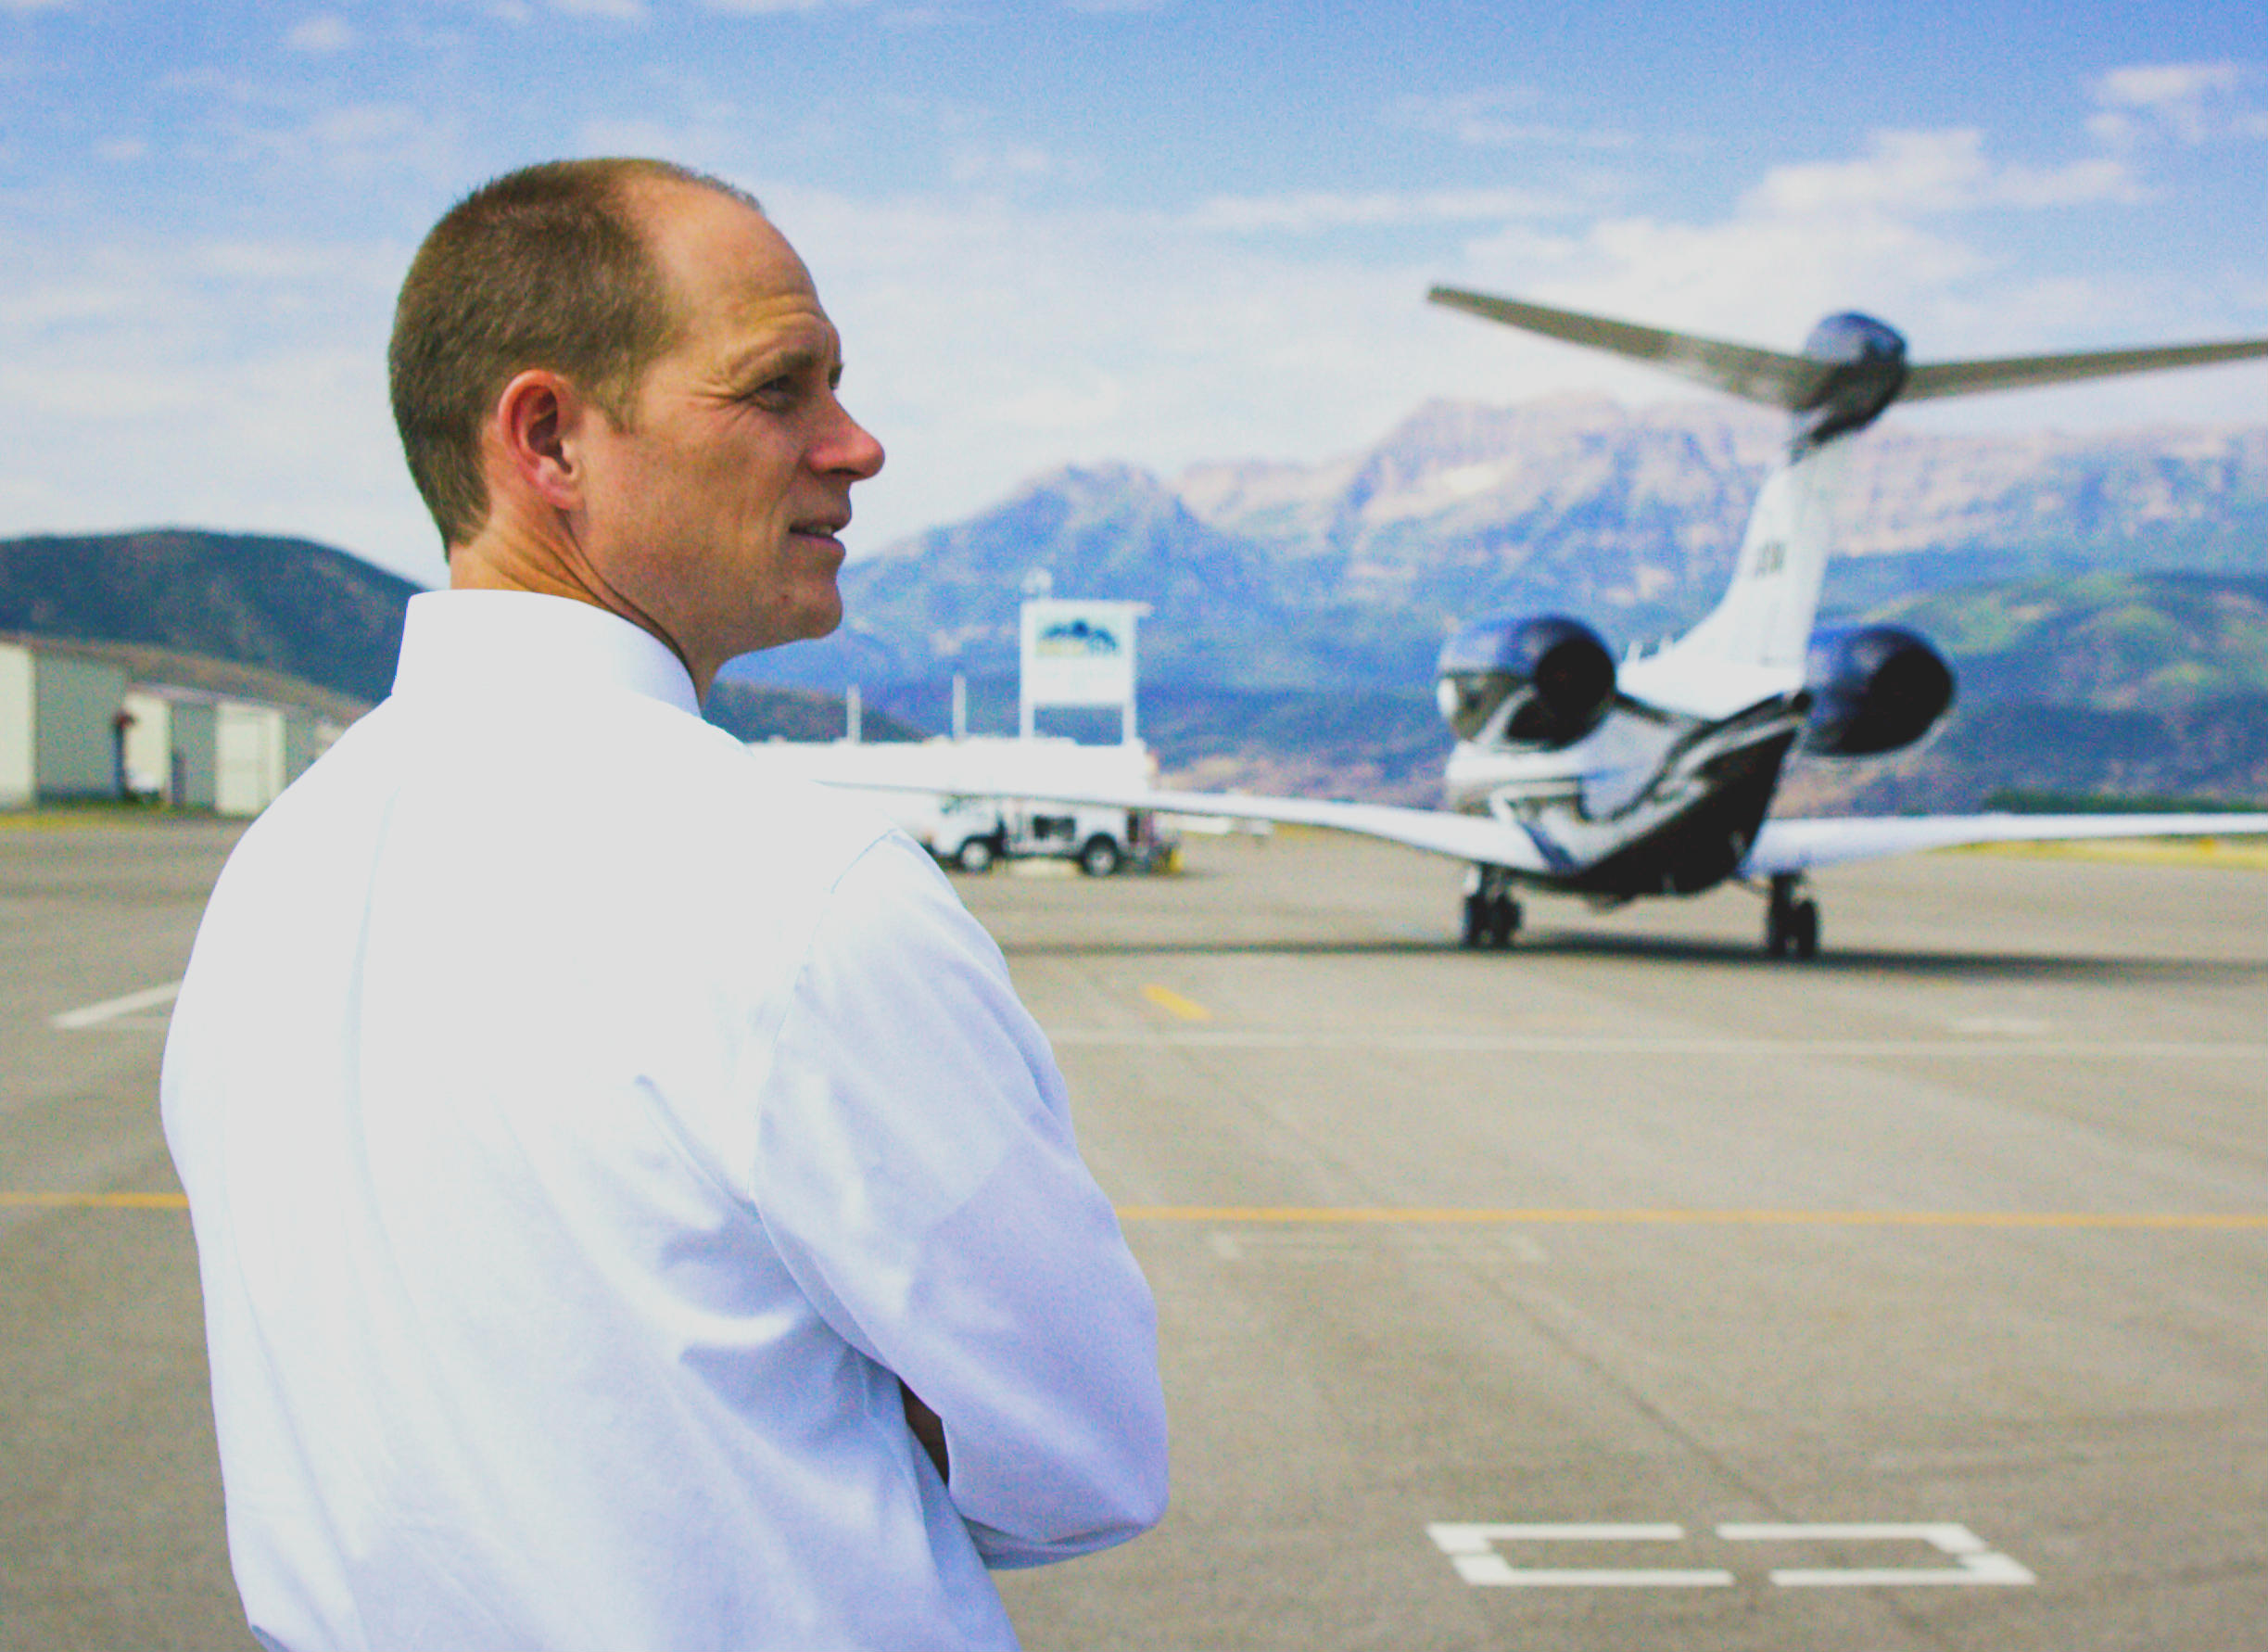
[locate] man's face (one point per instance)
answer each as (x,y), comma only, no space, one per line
(715,514)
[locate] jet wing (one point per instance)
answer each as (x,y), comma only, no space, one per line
(1463,837)
(1799,845)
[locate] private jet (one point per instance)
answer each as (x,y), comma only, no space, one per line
(1654,775)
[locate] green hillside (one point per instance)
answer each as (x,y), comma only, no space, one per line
(2113,641)
(244,614)
(288,605)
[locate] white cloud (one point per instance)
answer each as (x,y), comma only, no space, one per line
(321,36)
(621,11)
(1011,163)
(230,385)
(1311,212)
(1933,172)
(986,343)
(24,8)
(305,142)
(765,8)
(2191,103)
(1503,118)
(2166,85)
(239,383)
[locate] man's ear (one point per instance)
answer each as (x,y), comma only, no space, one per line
(539,420)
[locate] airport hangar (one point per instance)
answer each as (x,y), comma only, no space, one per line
(82,722)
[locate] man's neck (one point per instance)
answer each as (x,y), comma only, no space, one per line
(503,557)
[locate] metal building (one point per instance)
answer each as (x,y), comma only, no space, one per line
(75,724)
(60,731)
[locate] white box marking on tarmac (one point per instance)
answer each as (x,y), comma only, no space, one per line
(1973,1561)
(92,1015)
(1472,1550)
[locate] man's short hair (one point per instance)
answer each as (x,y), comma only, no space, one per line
(547,267)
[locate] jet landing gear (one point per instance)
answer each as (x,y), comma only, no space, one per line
(1791,922)
(1492,915)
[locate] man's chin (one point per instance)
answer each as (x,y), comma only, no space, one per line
(825,620)
(802,622)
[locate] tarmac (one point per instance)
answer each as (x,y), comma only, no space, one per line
(1628,1289)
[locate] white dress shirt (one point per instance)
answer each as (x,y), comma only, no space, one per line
(585,1131)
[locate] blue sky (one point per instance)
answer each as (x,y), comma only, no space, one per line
(1085,230)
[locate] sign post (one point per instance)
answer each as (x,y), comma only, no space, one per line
(1079,654)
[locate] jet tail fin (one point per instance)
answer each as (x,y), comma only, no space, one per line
(1853,368)
(1765,617)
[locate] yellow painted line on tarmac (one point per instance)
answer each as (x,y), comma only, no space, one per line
(2239,1221)
(103,1202)
(1174,1004)
(76,820)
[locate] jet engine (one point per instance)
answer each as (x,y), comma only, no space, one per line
(1542,680)
(1874,688)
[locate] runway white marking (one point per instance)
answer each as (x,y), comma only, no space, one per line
(1472,1550)
(1399,1215)
(1460,1245)
(1674,1049)
(1974,1562)
(110,1010)
(2006,1026)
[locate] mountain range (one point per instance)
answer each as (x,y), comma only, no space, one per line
(1279,575)
(296,608)
(286,620)
(2103,598)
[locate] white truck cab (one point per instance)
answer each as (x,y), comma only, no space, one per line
(955,798)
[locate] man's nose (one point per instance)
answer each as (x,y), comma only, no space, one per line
(849,449)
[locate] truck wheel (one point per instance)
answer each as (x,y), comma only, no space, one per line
(975,856)
(1100,858)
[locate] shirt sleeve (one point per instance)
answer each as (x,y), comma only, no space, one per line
(918,1174)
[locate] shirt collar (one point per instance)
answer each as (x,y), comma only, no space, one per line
(459,641)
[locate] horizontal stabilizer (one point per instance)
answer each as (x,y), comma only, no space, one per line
(2013,373)
(1800,846)
(1796,382)
(1763,375)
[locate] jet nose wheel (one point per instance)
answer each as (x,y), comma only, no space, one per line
(1791,922)
(1492,915)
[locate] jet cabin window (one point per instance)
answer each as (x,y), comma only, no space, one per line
(1469,700)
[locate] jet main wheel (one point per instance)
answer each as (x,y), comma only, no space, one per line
(1804,929)
(1503,920)
(1791,921)
(1492,919)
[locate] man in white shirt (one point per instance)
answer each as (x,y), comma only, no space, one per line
(633,1208)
